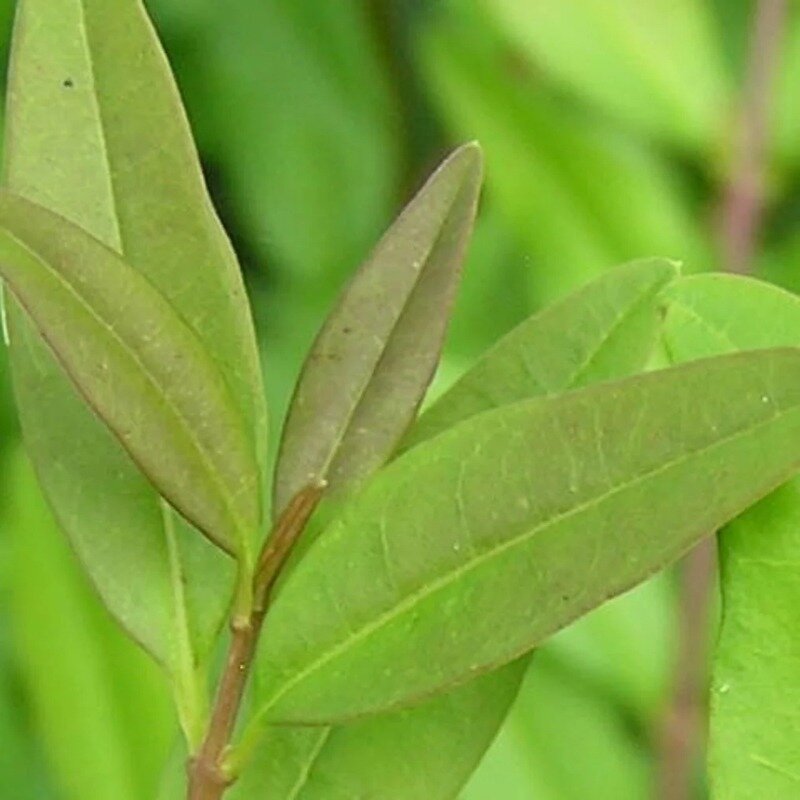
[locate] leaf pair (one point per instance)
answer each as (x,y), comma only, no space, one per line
(120,164)
(606,330)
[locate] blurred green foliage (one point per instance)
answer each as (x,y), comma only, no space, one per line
(608,132)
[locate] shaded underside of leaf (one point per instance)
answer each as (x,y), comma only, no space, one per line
(474,547)
(424,753)
(137,365)
(375,355)
(754,750)
(605,330)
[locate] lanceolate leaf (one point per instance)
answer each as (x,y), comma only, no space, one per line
(368,370)
(121,164)
(139,366)
(425,753)
(605,330)
(755,709)
(473,548)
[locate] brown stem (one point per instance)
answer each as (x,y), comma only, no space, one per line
(741,211)
(207,779)
(681,736)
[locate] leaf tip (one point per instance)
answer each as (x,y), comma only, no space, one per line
(469,157)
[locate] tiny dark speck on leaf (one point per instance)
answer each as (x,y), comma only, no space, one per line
(347,330)
(68,83)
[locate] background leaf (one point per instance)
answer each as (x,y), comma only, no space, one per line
(580,194)
(656,67)
(597,756)
(755,702)
(101,707)
(575,470)
(377,351)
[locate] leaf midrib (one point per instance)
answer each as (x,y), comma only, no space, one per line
(308,767)
(652,291)
(439,583)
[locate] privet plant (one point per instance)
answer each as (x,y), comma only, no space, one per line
(383,597)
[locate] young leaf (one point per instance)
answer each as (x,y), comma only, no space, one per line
(605,330)
(96,132)
(134,182)
(139,367)
(472,548)
(755,713)
(426,752)
(376,353)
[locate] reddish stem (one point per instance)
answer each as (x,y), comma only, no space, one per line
(207,779)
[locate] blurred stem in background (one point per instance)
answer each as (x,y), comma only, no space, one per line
(740,226)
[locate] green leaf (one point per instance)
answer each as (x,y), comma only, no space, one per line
(96,133)
(101,710)
(579,194)
(121,163)
(605,330)
(369,367)
(656,66)
(755,709)
(474,547)
(427,752)
(139,366)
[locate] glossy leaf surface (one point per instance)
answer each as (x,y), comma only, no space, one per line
(369,367)
(755,711)
(476,546)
